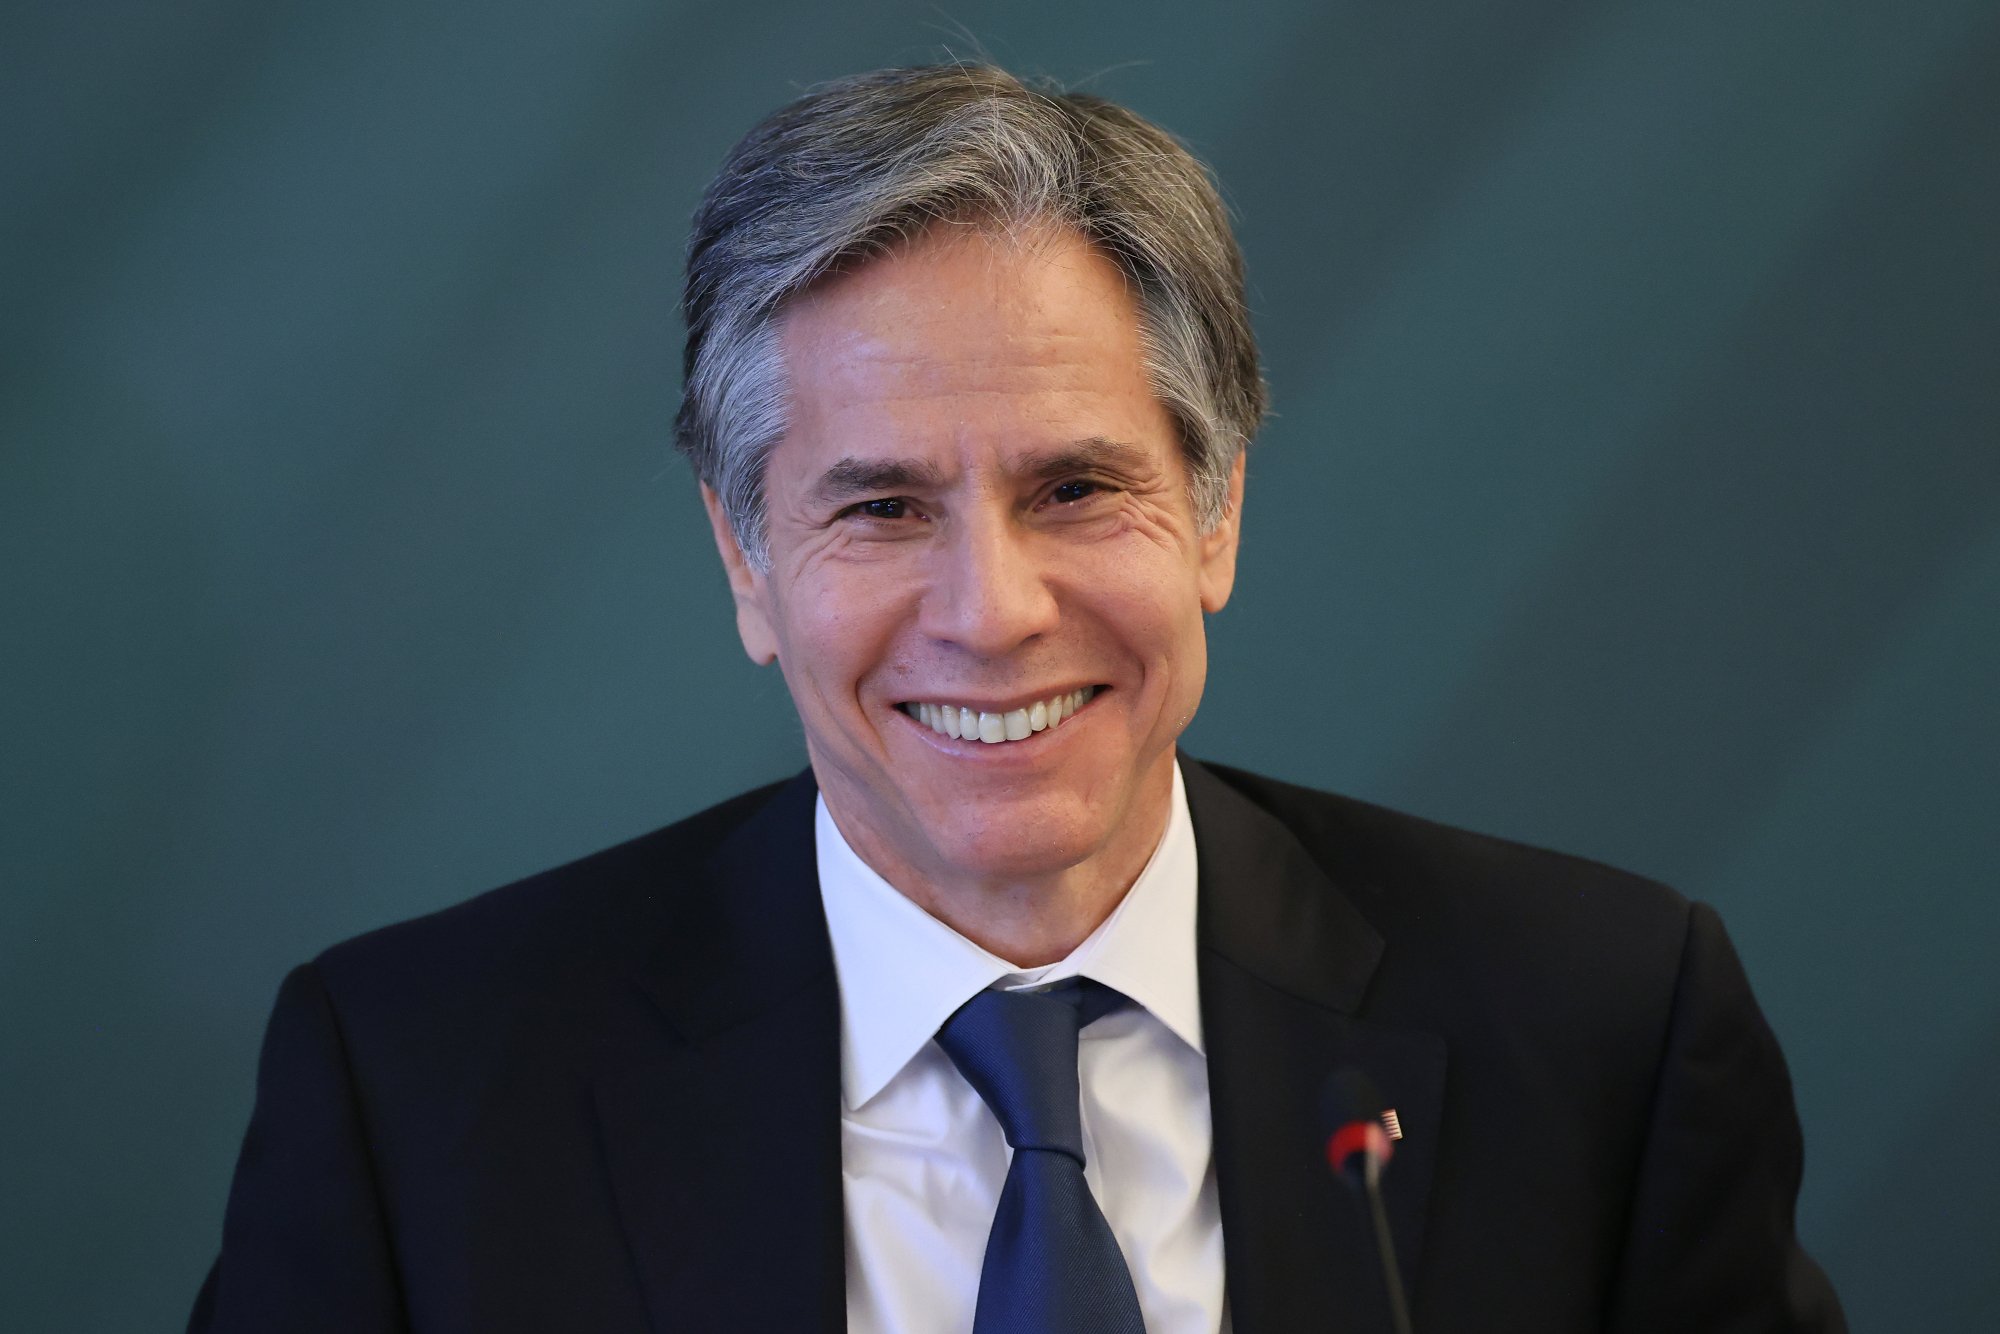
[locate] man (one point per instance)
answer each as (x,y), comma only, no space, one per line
(1006,1016)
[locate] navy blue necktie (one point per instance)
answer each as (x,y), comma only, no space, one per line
(1052,1265)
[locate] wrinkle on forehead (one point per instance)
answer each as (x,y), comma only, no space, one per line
(983,264)
(954,318)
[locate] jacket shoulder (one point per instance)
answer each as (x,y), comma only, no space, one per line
(545,934)
(1464,909)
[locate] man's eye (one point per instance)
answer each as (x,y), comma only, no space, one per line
(889,507)
(1068,493)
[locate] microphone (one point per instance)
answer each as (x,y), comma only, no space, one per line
(1358,1148)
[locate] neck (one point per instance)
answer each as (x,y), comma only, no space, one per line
(1028,922)
(1029,919)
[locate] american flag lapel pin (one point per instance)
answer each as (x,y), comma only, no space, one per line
(1392,1123)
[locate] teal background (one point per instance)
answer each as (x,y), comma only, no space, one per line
(1634,488)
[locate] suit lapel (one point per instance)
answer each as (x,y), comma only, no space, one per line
(717,1092)
(1285,965)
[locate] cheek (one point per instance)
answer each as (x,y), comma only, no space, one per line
(1152,606)
(835,632)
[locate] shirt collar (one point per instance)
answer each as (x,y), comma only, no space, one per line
(902,972)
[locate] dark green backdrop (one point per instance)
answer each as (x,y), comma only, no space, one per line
(1634,488)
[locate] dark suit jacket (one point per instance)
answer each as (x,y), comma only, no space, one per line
(607,1098)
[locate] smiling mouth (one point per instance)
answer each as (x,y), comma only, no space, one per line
(995,729)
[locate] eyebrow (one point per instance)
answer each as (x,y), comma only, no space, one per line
(1095,453)
(851,477)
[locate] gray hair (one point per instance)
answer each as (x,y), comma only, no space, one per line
(857,167)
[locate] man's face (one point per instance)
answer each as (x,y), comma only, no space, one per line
(980,505)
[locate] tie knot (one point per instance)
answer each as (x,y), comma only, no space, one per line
(1018,1051)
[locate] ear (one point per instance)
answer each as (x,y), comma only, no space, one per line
(750,588)
(1218,546)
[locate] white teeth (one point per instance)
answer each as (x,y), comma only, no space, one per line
(998,728)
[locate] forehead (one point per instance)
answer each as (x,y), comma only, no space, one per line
(967,338)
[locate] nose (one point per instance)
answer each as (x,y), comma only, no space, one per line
(989,592)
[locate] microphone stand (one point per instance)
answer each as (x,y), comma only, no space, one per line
(1385,1246)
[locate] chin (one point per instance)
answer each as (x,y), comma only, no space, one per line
(1016,840)
(1009,860)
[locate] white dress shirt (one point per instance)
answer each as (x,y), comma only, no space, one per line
(923,1160)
